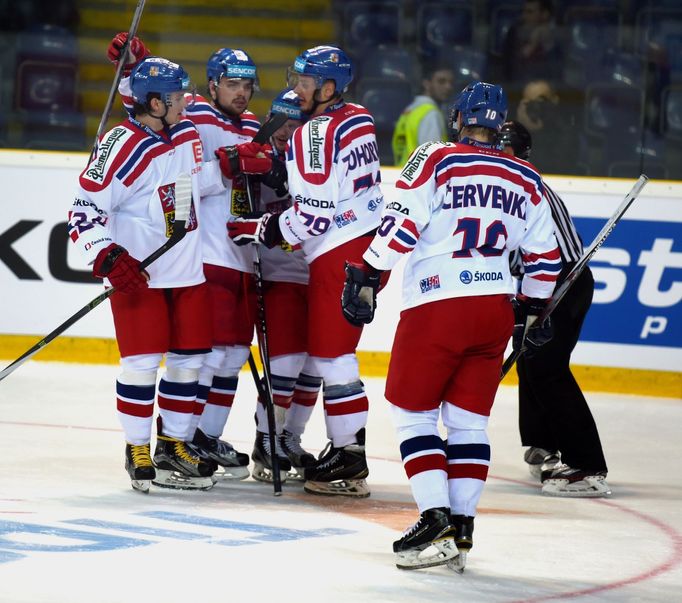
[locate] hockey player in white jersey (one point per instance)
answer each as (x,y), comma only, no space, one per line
(461,208)
(124,211)
(285,290)
(222,120)
(333,177)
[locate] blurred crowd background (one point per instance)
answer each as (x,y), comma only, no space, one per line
(598,82)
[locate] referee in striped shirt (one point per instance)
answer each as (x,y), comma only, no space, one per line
(554,418)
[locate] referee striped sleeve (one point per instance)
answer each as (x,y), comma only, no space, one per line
(570,244)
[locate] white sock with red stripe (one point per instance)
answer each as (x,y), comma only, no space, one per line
(222,391)
(468,454)
(423,454)
(303,402)
(135,409)
(345,401)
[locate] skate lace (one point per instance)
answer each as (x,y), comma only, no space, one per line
(278,446)
(141,455)
(332,459)
(182,452)
(224,448)
(292,443)
(412,529)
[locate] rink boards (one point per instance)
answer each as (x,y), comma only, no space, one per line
(631,341)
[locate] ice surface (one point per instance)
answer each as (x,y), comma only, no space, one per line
(72,530)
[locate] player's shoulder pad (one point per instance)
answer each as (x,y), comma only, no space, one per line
(421,163)
(112,150)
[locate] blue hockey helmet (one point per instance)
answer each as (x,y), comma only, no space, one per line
(323,63)
(160,76)
(287,102)
(480,104)
(231,63)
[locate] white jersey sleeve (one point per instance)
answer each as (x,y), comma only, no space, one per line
(221,202)
(126,195)
(333,174)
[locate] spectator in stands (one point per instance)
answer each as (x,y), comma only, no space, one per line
(553,126)
(423,120)
(531,47)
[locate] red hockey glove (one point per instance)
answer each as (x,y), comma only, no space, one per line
(255,228)
(122,270)
(245,158)
(136,51)
(528,331)
(359,297)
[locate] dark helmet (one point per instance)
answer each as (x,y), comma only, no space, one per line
(287,102)
(160,76)
(323,63)
(515,135)
(480,104)
(231,63)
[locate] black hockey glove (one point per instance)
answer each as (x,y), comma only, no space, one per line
(276,178)
(359,297)
(255,227)
(526,312)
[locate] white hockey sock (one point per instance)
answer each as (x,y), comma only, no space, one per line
(423,454)
(468,454)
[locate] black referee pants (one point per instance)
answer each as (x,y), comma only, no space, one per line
(553,413)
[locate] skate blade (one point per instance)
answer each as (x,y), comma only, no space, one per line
(264,474)
(295,474)
(231,473)
(141,485)
(590,487)
(457,564)
(439,552)
(356,488)
(178,481)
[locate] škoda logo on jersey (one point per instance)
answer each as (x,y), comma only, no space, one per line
(104,152)
(316,135)
(167,197)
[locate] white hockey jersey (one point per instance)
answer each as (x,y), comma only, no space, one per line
(460,210)
(217,130)
(333,173)
(282,263)
(126,195)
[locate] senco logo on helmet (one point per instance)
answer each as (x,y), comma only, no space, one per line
(246,71)
(288,110)
(299,65)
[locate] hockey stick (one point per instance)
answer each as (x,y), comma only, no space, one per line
(263,135)
(117,78)
(580,265)
(183,204)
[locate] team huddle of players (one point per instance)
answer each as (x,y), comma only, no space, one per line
(311,199)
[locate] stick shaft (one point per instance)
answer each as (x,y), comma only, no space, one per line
(580,265)
(117,78)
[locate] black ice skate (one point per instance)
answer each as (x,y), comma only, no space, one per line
(262,461)
(299,458)
(429,542)
(464,539)
(339,471)
(178,467)
(139,466)
(568,482)
(228,462)
(541,462)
